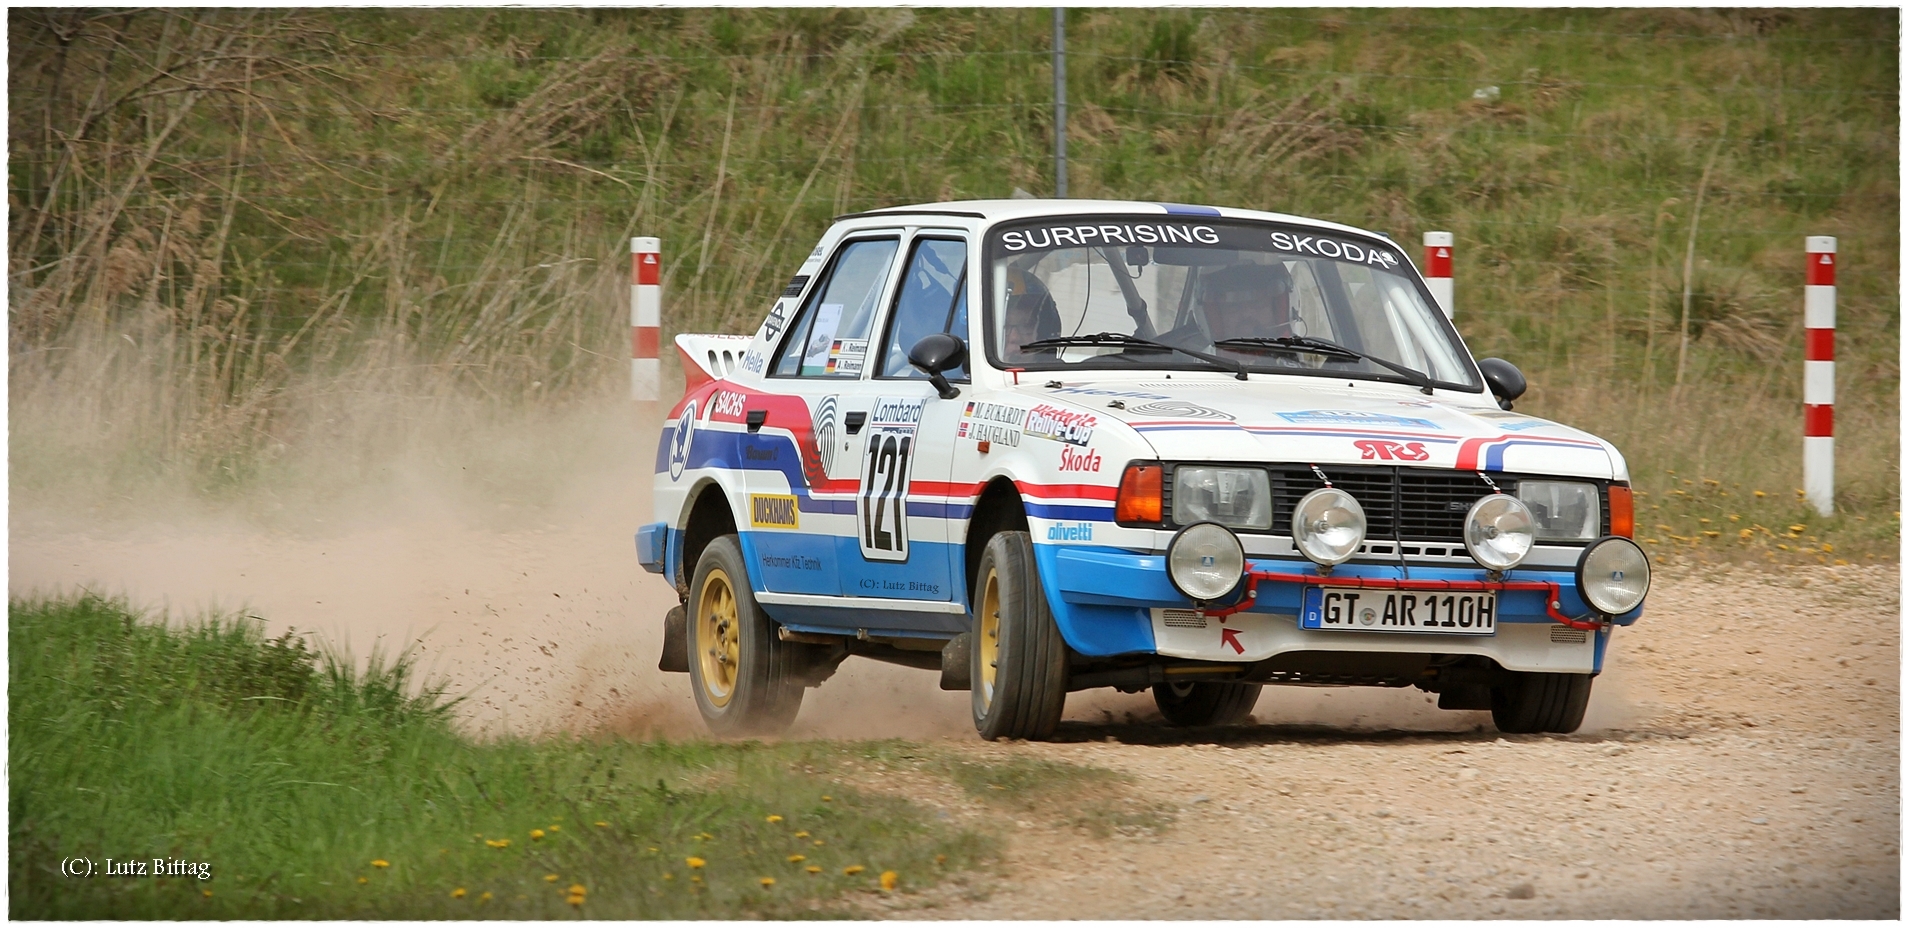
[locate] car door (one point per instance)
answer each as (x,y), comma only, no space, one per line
(804,477)
(910,512)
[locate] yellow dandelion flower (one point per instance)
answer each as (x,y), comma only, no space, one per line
(486,897)
(363,880)
(1798,528)
(796,858)
(669,876)
(853,869)
(550,878)
(940,858)
(380,864)
(1745,534)
(576,901)
(705,836)
(1783,547)
(555,828)
(1712,534)
(536,834)
(817,842)
(695,863)
(828,799)
(1734,518)
(1828,548)
(773,819)
(766,881)
(1760,494)
(695,879)
(1839,562)
(653,850)
(889,879)
(602,824)
(206,893)
(801,834)
(457,893)
(576,889)
(811,868)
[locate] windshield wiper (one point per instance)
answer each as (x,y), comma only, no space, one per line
(1328,349)
(1114,338)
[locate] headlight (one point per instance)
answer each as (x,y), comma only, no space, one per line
(1561,510)
(1205,561)
(1232,496)
(1497,532)
(1328,525)
(1613,575)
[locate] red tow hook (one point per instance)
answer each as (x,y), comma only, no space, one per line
(1553,594)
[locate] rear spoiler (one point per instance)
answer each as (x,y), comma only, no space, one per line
(709,357)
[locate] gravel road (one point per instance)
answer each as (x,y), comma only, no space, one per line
(1741,756)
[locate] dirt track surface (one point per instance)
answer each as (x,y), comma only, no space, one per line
(1740,759)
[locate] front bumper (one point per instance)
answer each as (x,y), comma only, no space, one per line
(1110,601)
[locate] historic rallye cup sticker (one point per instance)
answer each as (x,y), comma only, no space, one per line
(888,458)
(1057,424)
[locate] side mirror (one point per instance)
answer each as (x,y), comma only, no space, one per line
(935,355)
(1504,379)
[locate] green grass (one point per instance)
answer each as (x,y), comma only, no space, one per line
(366,216)
(1095,800)
(290,775)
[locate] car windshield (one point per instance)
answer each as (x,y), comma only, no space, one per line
(1272,298)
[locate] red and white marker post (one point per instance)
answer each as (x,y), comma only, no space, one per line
(645,319)
(1818,375)
(1437,268)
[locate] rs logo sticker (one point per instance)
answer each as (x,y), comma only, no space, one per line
(882,505)
(1370,450)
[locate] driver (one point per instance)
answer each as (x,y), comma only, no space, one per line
(1241,301)
(1030,315)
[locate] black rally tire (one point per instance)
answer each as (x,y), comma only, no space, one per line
(1529,703)
(1018,668)
(747,680)
(1189,705)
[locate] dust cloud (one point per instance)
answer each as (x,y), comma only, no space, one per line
(503,556)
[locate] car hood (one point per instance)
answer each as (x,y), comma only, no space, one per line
(1366,423)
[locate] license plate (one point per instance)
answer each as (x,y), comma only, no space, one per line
(1399,611)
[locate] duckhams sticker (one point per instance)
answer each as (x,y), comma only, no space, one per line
(773,510)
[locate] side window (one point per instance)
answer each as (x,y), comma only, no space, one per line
(829,337)
(932,298)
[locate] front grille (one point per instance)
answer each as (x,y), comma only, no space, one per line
(1415,504)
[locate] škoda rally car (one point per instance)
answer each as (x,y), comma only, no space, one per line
(1045,446)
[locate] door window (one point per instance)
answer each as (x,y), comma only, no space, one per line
(830,336)
(933,299)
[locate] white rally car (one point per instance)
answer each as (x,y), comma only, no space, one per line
(1050,445)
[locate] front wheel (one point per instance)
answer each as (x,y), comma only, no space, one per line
(1019,666)
(1538,702)
(743,674)
(1190,705)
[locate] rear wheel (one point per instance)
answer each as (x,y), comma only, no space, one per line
(1192,704)
(743,674)
(1540,702)
(1019,665)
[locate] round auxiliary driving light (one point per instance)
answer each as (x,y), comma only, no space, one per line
(1328,525)
(1205,561)
(1497,531)
(1613,575)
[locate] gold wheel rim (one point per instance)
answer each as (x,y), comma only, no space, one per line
(987,638)
(718,637)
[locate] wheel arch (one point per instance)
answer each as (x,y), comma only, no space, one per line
(999,509)
(709,516)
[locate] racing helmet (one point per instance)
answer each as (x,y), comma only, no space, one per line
(1028,305)
(1247,299)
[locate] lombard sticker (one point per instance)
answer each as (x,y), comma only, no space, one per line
(1349,417)
(1056,424)
(1177,409)
(1087,461)
(1070,531)
(882,505)
(679,448)
(1333,248)
(846,355)
(991,422)
(773,510)
(1371,450)
(1082,236)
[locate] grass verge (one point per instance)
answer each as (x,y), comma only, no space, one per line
(313,790)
